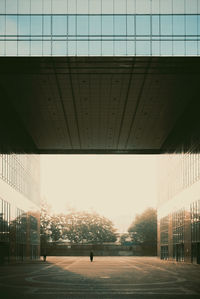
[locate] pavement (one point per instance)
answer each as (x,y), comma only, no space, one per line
(105,277)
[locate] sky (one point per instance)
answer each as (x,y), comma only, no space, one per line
(115,186)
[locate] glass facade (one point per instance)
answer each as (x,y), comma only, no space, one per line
(179,207)
(100,28)
(19,207)
(21,172)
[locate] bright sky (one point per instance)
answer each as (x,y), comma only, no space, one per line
(115,186)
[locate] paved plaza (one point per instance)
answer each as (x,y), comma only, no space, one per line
(105,277)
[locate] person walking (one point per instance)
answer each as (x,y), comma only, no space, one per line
(91,256)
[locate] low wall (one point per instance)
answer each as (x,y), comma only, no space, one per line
(53,249)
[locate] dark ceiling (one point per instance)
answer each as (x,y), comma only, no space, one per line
(99,104)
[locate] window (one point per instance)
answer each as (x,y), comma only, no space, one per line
(142,25)
(82,25)
(107,25)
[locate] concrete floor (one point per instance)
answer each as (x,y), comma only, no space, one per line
(105,277)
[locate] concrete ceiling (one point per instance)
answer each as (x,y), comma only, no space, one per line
(97,105)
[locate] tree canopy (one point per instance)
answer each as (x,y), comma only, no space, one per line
(84,227)
(143,229)
(76,227)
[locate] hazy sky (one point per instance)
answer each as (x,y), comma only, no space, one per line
(116,186)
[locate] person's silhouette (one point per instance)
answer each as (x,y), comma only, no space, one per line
(91,256)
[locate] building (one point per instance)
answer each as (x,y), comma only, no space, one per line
(114,28)
(19,207)
(179,207)
(99,27)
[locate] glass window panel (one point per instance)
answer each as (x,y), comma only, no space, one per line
(82,48)
(155,7)
(36,7)
(130,7)
(190,6)
(120,6)
(82,25)
(2,25)
(191,47)
(155,48)
(198,54)
(94,48)
(178,48)
(46,25)
(23,48)
(24,25)
(95,7)
(59,7)
(72,48)
(95,25)
(107,48)
(130,25)
(120,25)
(107,25)
(130,48)
(143,6)
(24,6)
(178,25)
(3,6)
(59,48)
(36,48)
(178,6)
(36,25)
(82,6)
(155,25)
(11,25)
(46,6)
(142,25)
(2,48)
(166,25)
(71,25)
(120,48)
(11,6)
(191,25)
(59,24)
(166,47)
(165,6)
(46,48)
(11,48)
(107,6)
(71,7)
(143,48)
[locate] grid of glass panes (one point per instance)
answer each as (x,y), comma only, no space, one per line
(99,35)
(21,226)
(195,221)
(22,173)
(4,220)
(176,173)
(178,218)
(164,222)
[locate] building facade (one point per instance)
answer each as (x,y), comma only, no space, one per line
(179,207)
(19,207)
(99,27)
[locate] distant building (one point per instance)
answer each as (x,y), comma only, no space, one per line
(179,207)
(19,207)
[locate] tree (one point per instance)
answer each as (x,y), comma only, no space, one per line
(84,227)
(45,222)
(143,229)
(51,226)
